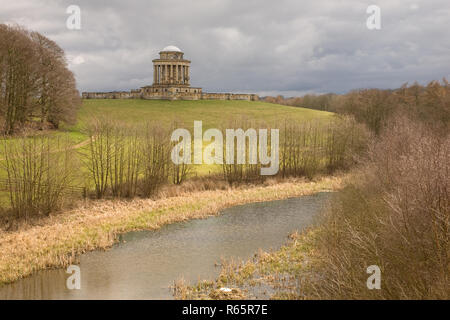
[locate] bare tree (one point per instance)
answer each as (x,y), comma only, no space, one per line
(35,82)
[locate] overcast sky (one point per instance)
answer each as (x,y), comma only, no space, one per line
(288,47)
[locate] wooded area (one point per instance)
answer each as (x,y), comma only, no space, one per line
(37,89)
(429,104)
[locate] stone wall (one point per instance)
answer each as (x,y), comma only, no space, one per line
(112,95)
(230,96)
(171,93)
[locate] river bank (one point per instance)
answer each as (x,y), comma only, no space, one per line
(286,274)
(58,240)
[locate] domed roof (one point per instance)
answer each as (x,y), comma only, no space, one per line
(171,48)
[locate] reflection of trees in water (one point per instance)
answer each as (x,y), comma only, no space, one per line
(48,284)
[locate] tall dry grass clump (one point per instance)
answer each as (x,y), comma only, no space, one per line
(125,161)
(39,173)
(306,148)
(395,214)
(156,159)
(244,167)
(98,159)
(346,140)
(302,148)
(310,148)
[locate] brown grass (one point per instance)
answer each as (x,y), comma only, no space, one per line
(281,271)
(394,214)
(58,240)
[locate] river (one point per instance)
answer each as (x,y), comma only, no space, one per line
(144,264)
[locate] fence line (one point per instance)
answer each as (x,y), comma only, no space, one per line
(5,184)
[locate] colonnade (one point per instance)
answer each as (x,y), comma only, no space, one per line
(170,73)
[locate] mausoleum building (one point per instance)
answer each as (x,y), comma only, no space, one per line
(171,81)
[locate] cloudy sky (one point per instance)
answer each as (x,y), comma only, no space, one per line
(288,47)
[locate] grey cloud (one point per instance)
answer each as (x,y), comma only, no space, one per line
(286,46)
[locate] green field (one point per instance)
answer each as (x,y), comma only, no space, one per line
(213,113)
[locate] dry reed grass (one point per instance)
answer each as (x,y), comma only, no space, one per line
(281,271)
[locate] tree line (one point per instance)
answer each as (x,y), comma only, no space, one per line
(36,88)
(429,104)
(44,172)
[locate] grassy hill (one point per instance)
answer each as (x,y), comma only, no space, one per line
(212,112)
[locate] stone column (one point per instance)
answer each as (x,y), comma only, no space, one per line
(173,73)
(159,74)
(163,66)
(176,73)
(187,74)
(165,73)
(154,73)
(182,74)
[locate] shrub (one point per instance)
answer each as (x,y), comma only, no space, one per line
(395,214)
(156,159)
(39,172)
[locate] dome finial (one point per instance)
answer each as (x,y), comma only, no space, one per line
(171,49)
